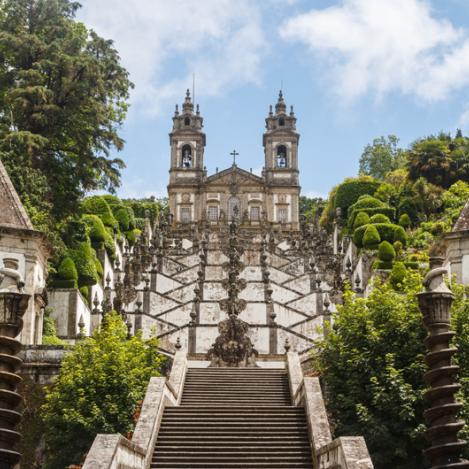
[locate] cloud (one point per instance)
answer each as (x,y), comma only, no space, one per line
(463,122)
(162,43)
(383,46)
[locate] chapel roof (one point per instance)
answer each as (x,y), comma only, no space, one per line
(12,212)
(235,171)
(462,223)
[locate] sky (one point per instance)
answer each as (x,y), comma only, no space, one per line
(353,69)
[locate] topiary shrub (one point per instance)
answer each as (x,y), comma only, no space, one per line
(84,257)
(99,268)
(370,205)
(371,238)
(398,274)
(400,235)
(412,265)
(382,265)
(67,275)
(122,216)
(97,205)
(398,247)
(407,205)
(361,219)
(405,221)
(386,252)
(351,190)
(85,291)
(132,236)
(97,231)
(379,218)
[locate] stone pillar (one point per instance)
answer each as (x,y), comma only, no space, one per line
(443,427)
(13,305)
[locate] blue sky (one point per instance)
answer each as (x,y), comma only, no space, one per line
(353,69)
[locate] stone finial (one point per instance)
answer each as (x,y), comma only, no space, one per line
(441,415)
(287,345)
(178,345)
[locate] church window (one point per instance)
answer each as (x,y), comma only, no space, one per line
(255,214)
(212,212)
(187,121)
(282,214)
(185,214)
(233,208)
(186,156)
(281,156)
(281,122)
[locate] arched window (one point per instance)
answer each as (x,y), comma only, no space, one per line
(187,121)
(282,156)
(186,156)
(281,122)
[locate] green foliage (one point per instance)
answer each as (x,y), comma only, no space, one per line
(49,331)
(150,207)
(371,206)
(371,238)
(85,291)
(387,232)
(67,274)
(63,97)
(383,265)
(97,205)
(405,221)
(97,231)
(351,190)
(132,236)
(398,276)
(371,363)
(122,215)
(310,207)
(84,257)
(386,252)
(382,157)
(379,218)
(441,160)
(100,384)
(400,235)
(361,219)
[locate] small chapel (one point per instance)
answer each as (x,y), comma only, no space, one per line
(234,192)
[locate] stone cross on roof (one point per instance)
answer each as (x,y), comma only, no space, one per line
(12,212)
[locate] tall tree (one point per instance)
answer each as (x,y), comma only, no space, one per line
(63,97)
(381,157)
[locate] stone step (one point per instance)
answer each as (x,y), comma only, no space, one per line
(290,448)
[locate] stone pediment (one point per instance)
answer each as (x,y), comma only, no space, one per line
(234,175)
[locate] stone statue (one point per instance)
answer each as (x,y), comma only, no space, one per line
(10,279)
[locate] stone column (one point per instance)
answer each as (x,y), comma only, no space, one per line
(443,426)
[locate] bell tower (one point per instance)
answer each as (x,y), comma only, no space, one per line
(280,143)
(187,141)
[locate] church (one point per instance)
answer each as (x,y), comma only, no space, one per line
(234,192)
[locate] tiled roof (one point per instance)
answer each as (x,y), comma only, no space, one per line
(12,212)
(463,221)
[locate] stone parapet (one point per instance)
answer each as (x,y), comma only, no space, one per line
(345,453)
(42,362)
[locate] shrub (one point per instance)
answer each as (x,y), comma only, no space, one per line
(122,216)
(405,221)
(351,190)
(97,205)
(85,291)
(407,206)
(132,236)
(386,252)
(412,265)
(398,274)
(398,247)
(361,219)
(67,275)
(84,257)
(371,238)
(400,235)
(379,218)
(97,231)
(382,265)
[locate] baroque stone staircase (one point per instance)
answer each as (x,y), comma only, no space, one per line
(234,418)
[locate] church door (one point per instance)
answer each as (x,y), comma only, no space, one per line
(233,208)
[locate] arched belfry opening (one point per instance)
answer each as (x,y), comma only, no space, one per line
(282,156)
(186,156)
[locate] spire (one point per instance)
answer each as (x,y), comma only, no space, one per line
(280,106)
(12,212)
(188,107)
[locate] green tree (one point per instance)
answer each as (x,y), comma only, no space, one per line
(381,157)
(99,387)
(63,97)
(372,366)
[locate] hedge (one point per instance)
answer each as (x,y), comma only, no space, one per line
(386,252)
(84,257)
(97,205)
(122,216)
(383,265)
(97,231)
(407,206)
(67,275)
(388,211)
(379,218)
(371,238)
(398,275)
(361,219)
(351,190)
(387,232)
(405,221)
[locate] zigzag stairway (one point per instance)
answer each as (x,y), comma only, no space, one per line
(234,418)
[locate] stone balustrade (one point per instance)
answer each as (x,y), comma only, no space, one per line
(115,451)
(341,453)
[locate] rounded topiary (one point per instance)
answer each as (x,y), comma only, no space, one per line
(371,238)
(85,291)
(382,265)
(122,216)
(67,274)
(97,231)
(400,235)
(97,205)
(99,268)
(361,219)
(84,257)
(398,247)
(398,274)
(351,190)
(379,218)
(132,236)
(386,252)
(405,221)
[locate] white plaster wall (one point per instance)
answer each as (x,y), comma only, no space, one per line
(253,292)
(282,295)
(165,284)
(255,313)
(214,291)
